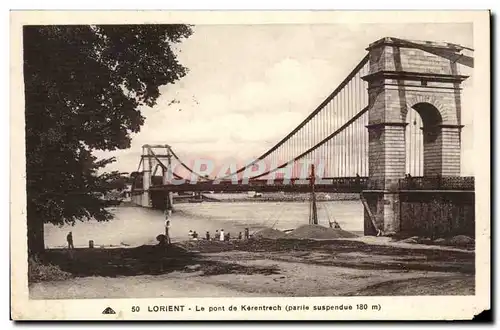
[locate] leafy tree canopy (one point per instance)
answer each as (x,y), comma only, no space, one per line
(84,86)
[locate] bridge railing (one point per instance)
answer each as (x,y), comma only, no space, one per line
(437,183)
(323,184)
(337,182)
(357,183)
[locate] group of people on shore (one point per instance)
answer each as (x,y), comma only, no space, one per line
(218,236)
(193,235)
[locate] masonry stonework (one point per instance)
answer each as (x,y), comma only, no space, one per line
(404,76)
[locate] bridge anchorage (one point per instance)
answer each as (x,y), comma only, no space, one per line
(391,131)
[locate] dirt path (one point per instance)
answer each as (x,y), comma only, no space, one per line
(142,286)
(302,279)
(292,279)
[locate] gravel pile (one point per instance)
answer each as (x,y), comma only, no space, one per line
(461,240)
(269,233)
(319,232)
(456,241)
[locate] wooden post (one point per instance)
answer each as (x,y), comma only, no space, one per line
(313,218)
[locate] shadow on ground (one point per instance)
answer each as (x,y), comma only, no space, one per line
(143,260)
(146,259)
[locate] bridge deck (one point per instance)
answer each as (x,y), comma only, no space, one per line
(291,185)
(344,185)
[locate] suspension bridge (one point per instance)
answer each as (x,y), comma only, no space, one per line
(390,131)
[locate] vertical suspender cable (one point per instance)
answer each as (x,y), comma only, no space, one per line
(341,150)
(359,90)
(344,134)
(341,138)
(417,159)
(348,131)
(356,98)
(408,142)
(351,139)
(356,125)
(329,144)
(337,138)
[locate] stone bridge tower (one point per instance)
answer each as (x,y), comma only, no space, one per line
(403,75)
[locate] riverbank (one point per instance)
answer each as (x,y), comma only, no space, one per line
(136,226)
(277,197)
(260,267)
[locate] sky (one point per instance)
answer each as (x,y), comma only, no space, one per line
(249,85)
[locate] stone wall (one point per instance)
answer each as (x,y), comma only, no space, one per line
(437,214)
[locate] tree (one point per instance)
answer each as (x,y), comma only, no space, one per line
(84,86)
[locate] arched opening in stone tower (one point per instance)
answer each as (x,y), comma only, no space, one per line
(422,130)
(414,144)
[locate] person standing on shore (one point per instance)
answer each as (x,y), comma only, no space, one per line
(167,231)
(207,236)
(247,234)
(167,215)
(222,235)
(69,238)
(216,235)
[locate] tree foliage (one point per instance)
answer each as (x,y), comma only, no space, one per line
(84,86)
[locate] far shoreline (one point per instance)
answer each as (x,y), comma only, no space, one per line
(243,198)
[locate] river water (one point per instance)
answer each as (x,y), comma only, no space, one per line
(135,226)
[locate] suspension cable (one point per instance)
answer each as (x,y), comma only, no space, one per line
(340,130)
(351,75)
(188,168)
(165,167)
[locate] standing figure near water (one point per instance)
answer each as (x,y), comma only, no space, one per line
(240,236)
(207,235)
(167,225)
(69,238)
(216,235)
(222,235)
(167,231)
(247,235)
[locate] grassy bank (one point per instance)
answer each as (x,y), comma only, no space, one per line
(40,271)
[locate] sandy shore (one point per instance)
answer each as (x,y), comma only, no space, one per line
(261,268)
